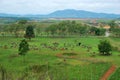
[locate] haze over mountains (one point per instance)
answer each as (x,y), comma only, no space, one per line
(67,13)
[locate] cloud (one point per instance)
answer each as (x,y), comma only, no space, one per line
(47,6)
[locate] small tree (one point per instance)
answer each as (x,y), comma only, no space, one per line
(23,47)
(104,47)
(29,32)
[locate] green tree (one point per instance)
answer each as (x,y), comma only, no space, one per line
(104,47)
(23,47)
(116,32)
(93,30)
(52,29)
(29,32)
(82,30)
(97,31)
(102,31)
(22,21)
(16,29)
(112,24)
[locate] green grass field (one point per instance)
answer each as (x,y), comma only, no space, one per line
(115,75)
(45,61)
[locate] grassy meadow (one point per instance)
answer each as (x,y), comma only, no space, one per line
(65,60)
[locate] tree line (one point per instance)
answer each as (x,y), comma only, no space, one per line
(74,28)
(115,29)
(61,28)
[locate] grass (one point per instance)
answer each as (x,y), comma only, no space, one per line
(80,67)
(115,75)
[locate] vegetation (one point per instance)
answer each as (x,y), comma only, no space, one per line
(97,31)
(115,29)
(60,28)
(23,47)
(29,32)
(115,75)
(61,50)
(105,47)
(71,28)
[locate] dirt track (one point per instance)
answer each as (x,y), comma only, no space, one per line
(108,73)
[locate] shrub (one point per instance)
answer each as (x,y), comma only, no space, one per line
(104,47)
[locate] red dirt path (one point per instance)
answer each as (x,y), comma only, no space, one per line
(108,73)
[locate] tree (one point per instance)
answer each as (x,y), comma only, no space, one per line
(22,21)
(112,24)
(104,47)
(82,30)
(97,31)
(23,47)
(114,29)
(16,28)
(29,32)
(116,32)
(102,31)
(52,29)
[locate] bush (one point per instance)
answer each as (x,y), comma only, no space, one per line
(104,47)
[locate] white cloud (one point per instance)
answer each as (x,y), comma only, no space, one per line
(47,6)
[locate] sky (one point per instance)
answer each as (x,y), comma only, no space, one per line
(48,6)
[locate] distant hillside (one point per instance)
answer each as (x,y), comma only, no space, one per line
(8,15)
(68,13)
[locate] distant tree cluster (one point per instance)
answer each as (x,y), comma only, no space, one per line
(115,29)
(97,31)
(67,27)
(28,29)
(72,27)
(14,29)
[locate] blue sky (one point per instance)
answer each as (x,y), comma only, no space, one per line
(48,6)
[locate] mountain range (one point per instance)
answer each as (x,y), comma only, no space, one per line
(67,13)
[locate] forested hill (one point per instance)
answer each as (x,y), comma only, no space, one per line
(70,13)
(67,13)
